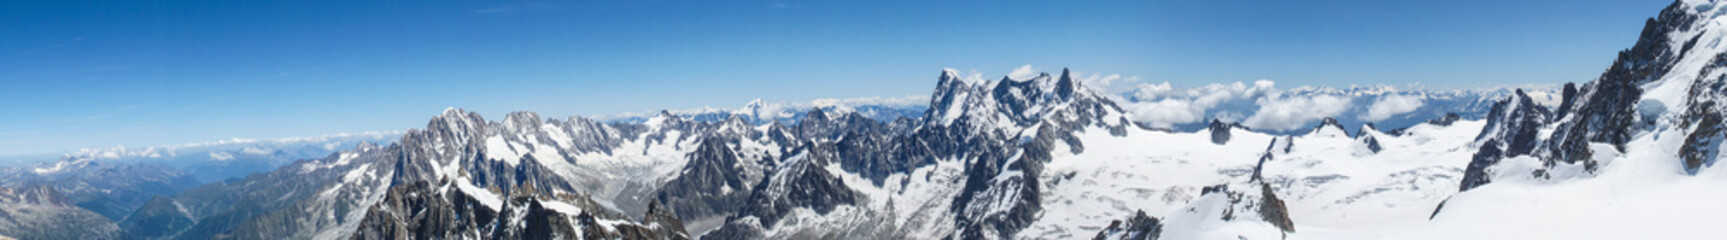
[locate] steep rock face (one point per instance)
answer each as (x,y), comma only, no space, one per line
(870,148)
(712,183)
(1476,174)
(1704,118)
(422,210)
(1368,141)
(1568,98)
(803,183)
(1516,122)
(1001,193)
(1673,66)
(1606,107)
(1272,209)
(417,211)
(1703,146)
(1219,131)
(1513,128)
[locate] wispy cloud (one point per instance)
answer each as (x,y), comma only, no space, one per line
(1022,72)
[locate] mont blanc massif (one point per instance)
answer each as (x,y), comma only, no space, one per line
(1628,155)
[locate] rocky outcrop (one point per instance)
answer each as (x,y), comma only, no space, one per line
(418,211)
(712,183)
(1703,145)
(1606,107)
(1513,128)
(802,183)
(1220,131)
(1249,202)
(1272,209)
(1276,145)
(1329,126)
(1138,227)
(1366,138)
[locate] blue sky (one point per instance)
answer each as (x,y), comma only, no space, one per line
(102,73)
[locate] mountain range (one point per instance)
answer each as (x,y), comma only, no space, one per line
(1047,156)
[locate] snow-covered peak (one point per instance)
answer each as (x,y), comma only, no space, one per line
(1014,103)
(1329,128)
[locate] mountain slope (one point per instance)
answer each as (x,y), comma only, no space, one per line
(1630,151)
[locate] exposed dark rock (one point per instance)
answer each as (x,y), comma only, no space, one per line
(1272,209)
(1449,118)
(802,183)
(1436,209)
(1366,138)
(1371,142)
(1219,132)
(1513,128)
(1567,98)
(1330,123)
(1268,156)
(1138,227)
(1606,107)
(1476,173)
(1703,144)
(712,183)
(417,211)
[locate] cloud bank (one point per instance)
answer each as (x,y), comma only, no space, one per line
(1392,105)
(1290,113)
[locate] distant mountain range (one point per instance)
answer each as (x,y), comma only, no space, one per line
(1260,106)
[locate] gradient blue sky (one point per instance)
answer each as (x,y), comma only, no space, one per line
(102,73)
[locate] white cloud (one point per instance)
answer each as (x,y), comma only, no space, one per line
(1152,91)
(1166,113)
(1280,113)
(261,151)
(1392,105)
(1161,105)
(221,156)
(1022,73)
(1111,83)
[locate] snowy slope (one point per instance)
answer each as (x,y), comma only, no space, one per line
(1333,186)
(1632,158)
